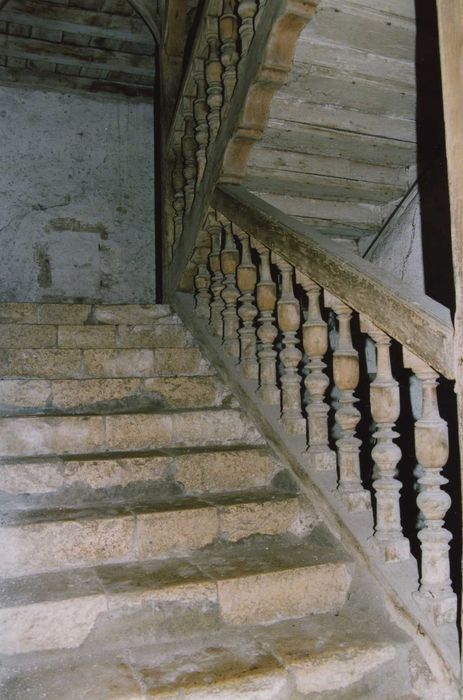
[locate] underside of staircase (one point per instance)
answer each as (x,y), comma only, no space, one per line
(152,545)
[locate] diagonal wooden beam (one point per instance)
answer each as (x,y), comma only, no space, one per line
(48,15)
(37,50)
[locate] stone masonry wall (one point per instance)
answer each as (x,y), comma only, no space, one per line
(76,198)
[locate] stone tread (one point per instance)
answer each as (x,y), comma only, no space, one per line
(287,659)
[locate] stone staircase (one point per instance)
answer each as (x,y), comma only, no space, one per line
(152,545)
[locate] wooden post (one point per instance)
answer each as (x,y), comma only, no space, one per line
(246,278)
(229,260)
(217,305)
(266,297)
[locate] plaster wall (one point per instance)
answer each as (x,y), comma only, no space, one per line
(76,198)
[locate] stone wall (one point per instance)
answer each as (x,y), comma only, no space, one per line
(76,198)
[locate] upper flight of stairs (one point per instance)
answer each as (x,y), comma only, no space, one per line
(152,545)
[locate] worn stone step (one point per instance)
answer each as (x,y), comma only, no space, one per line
(75,363)
(79,479)
(48,396)
(61,435)
(76,314)
(224,584)
(282,661)
(94,336)
(38,541)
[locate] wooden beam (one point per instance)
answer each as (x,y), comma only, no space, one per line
(65,54)
(450,20)
(413,319)
(37,80)
(49,15)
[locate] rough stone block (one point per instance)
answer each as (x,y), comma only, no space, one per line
(283,594)
(271,517)
(86,336)
(46,364)
(52,545)
(224,471)
(52,435)
(87,392)
(138,431)
(18,313)
(134,314)
(25,393)
(186,392)
(161,335)
(219,427)
(58,314)
(23,336)
(118,363)
(178,530)
(180,361)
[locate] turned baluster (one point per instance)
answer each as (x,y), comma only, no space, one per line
(315,342)
(266,298)
(189,153)
(247,11)
(435,593)
(200,114)
(202,282)
(246,278)
(229,260)
(214,88)
(229,54)
(178,183)
(385,411)
(215,231)
(289,319)
(346,379)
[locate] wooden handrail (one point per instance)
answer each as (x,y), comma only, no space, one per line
(413,319)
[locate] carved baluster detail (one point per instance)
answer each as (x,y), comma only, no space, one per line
(315,341)
(266,297)
(346,379)
(214,89)
(385,410)
(179,196)
(229,53)
(246,278)
(202,278)
(215,231)
(432,449)
(247,11)
(189,153)
(229,260)
(289,320)
(200,114)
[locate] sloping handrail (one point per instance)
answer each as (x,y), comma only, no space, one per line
(415,320)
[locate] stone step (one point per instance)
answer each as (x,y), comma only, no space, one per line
(80,314)
(52,396)
(63,435)
(75,363)
(45,540)
(80,479)
(157,601)
(281,661)
(94,336)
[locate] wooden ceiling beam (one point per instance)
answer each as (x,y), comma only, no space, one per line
(48,15)
(64,54)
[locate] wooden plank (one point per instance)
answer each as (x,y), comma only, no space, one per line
(328,86)
(354,213)
(37,80)
(65,54)
(49,15)
(313,50)
(289,161)
(415,320)
(291,108)
(313,140)
(318,186)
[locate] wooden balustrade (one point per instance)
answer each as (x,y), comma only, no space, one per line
(249,306)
